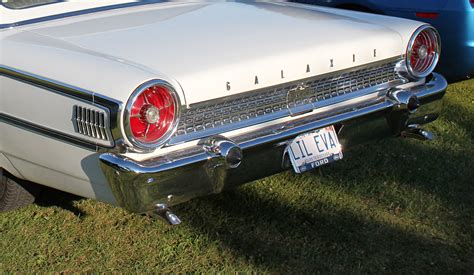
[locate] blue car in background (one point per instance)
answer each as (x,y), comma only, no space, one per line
(454,20)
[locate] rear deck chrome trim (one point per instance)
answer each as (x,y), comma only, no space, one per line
(288,99)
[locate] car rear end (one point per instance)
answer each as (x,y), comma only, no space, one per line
(205,103)
(225,142)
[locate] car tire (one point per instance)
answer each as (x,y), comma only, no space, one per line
(15,193)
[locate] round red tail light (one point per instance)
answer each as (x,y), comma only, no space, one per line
(151,114)
(423,51)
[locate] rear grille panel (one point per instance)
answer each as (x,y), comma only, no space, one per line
(91,123)
(234,112)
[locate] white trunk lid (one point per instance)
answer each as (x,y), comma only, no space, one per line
(219,49)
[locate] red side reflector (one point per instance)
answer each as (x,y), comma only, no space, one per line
(429,15)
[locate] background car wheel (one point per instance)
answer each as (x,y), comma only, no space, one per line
(15,193)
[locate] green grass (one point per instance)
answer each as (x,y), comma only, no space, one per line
(397,205)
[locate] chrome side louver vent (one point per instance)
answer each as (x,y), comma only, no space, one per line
(91,123)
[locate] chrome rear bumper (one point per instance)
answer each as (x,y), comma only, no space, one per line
(218,163)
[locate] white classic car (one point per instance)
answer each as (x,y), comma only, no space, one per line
(146,105)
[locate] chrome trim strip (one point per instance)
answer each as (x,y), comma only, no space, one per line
(80,12)
(35,128)
(112,107)
(47,84)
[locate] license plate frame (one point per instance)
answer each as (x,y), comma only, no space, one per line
(314,149)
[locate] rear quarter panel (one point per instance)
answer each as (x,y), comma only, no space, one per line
(44,159)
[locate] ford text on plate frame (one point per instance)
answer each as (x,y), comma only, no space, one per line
(314,149)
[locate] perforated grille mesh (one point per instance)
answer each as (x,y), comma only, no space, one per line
(273,100)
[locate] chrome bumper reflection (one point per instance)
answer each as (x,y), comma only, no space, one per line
(218,163)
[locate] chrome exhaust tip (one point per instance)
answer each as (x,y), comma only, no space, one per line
(414,131)
(162,211)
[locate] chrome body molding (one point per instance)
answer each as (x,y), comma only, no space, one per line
(209,167)
(46,83)
(75,13)
(93,126)
(38,129)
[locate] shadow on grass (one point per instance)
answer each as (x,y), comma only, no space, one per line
(52,197)
(286,236)
(281,236)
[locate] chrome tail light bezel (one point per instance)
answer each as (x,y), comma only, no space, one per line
(409,52)
(144,146)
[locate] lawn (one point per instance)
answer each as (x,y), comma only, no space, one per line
(397,205)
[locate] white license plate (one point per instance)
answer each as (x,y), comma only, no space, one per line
(311,150)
